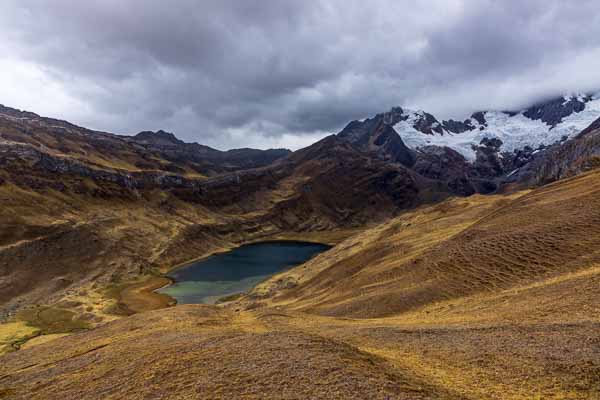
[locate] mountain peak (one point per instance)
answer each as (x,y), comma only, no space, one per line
(377,135)
(159,137)
(554,110)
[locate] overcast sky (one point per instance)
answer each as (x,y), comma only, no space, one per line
(276,73)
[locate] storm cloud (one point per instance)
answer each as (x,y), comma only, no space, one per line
(277,73)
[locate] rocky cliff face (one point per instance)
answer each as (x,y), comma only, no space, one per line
(377,136)
(553,111)
(158,138)
(445,165)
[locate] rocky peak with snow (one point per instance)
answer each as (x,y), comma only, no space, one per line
(552,112)
(542,124)
(377,136)
(480,153)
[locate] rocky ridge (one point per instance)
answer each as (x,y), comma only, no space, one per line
(146,151)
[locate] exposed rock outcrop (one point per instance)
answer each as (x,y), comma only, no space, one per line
(562,160)
(553,111)
(377,136)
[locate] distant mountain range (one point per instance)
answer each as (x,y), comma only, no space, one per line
(481,154)
(146,151)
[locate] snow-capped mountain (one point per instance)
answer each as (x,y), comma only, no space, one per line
(486,150)
(540,125)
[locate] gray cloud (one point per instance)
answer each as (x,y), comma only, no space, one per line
(283,73)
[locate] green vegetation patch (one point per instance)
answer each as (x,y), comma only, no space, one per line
(51,320)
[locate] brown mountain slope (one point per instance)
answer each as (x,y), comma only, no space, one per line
(73,226)
(457,248)
(491,297)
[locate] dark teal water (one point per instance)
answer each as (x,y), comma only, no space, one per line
(237,270)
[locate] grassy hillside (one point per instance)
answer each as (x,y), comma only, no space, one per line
(457,248)
(481,298)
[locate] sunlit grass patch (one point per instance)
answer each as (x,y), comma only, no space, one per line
(13,334)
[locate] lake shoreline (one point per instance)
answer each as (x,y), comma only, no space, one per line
(329,238)
(237,270)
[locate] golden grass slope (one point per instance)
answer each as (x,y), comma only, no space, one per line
(451,250)
(480,298)
(200,352)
